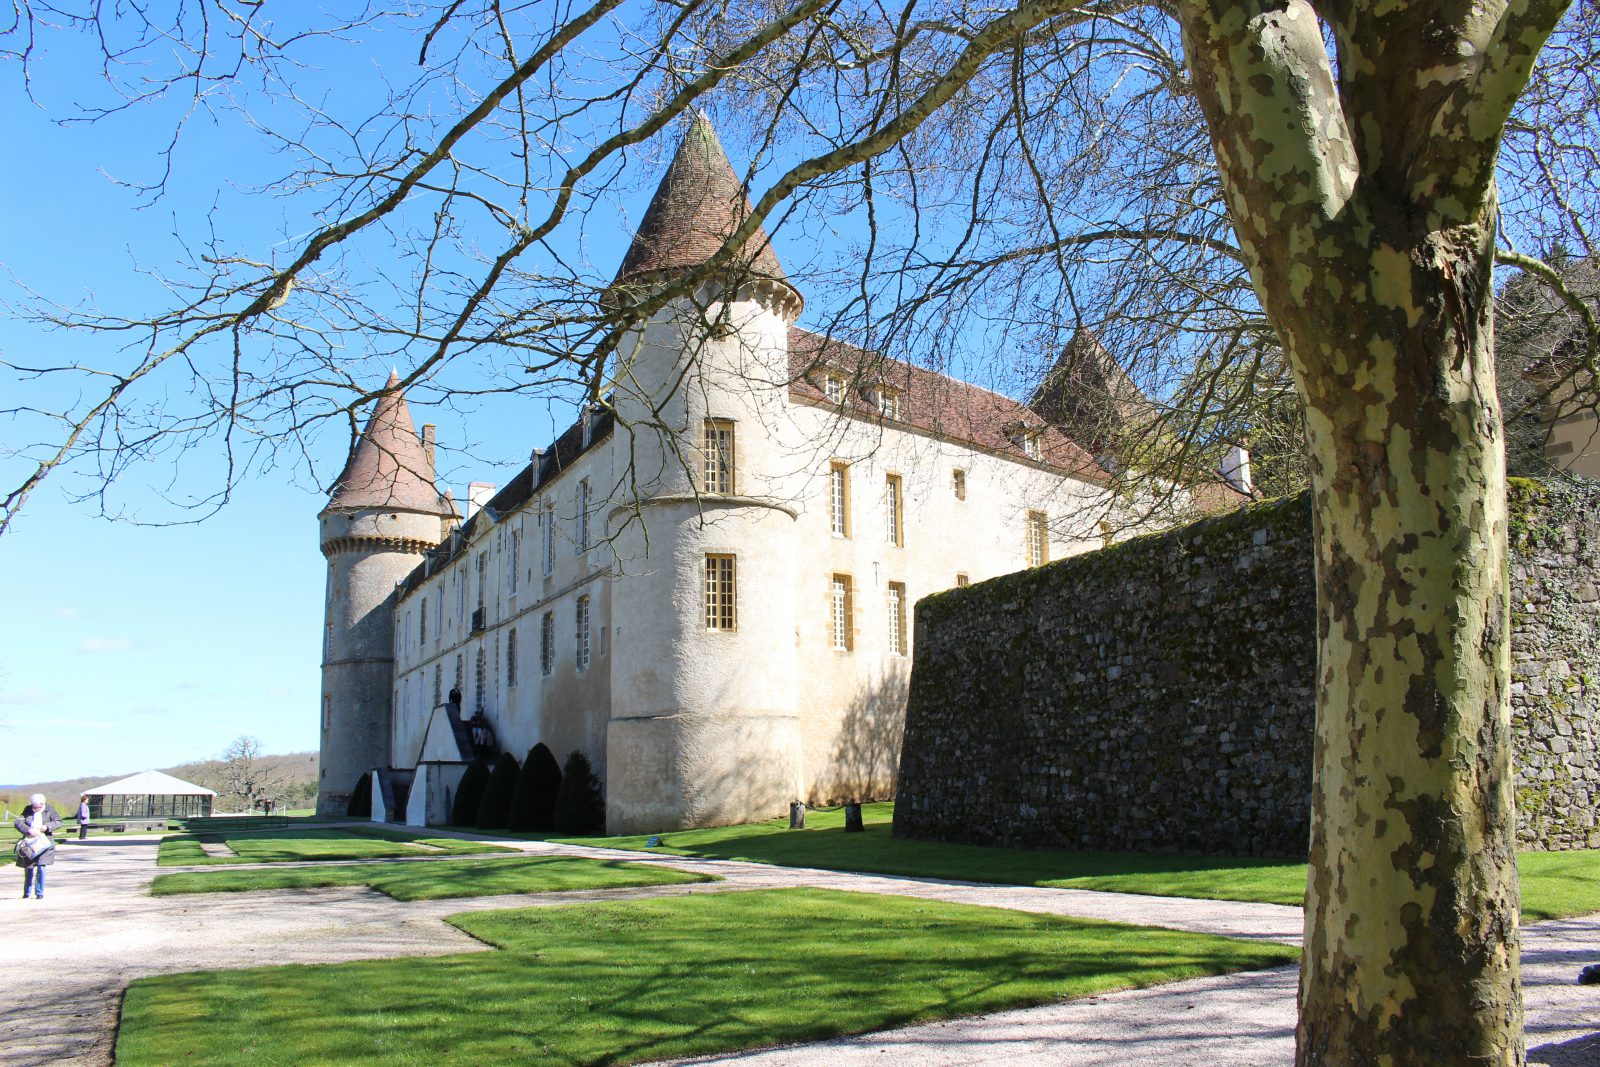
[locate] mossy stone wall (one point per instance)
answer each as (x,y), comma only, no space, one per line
(1157,695)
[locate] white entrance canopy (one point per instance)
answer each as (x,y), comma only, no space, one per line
(151,783)
(149,795)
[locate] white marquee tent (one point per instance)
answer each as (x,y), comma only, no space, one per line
(149,795)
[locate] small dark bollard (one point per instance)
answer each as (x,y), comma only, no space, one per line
(797,815)
(852,819)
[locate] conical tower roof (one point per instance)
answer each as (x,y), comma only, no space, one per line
(698,205)
(388,467)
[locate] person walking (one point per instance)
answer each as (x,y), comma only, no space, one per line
(38,824)
(83,817)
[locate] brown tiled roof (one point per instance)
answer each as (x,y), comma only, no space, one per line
(388,467)
(699,203)
(933,402)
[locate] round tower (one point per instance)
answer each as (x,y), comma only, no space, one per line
(704,727)
(384,513)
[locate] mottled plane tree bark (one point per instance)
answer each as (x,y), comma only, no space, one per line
(1361,185)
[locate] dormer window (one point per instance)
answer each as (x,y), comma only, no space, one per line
(1032,443)
(887,400)
(833,388)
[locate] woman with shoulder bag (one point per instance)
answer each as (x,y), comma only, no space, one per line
(37,850)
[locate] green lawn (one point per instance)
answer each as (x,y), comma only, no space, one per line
(1554,884)
(322,843)
(436,879)
(642,980)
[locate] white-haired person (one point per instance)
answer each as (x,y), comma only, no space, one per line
(37,825)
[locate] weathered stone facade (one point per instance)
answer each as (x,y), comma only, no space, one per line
(1157,695)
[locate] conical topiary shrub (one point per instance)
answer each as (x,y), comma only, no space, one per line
(495,808)
(469,794)
(361,798)
(581,803)
(534,803)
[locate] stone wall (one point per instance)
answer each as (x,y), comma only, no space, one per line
(1157,695)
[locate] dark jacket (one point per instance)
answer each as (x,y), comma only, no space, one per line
(52,823)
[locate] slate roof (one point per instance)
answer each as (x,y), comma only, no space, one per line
(388,467)
(933,402)
(698,205)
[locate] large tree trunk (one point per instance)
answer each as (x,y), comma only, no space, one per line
(1411,910)
(1363,199)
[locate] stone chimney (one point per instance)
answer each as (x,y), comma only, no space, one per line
(478,494)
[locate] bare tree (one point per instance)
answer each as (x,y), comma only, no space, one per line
(248,776)
(1225,195)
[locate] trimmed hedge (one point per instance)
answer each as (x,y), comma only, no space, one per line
(495,809)
(533,804)
(469,794)
(580,804)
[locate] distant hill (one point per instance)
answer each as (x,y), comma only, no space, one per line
(298,770)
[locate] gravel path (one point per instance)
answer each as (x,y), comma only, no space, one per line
(97,929)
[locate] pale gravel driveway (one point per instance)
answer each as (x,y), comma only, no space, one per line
(99,930)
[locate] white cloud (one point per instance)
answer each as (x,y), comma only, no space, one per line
(96,645)
(31,697)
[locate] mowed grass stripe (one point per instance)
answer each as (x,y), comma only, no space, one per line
(439,878)
(292,845)
(642,980)
(1554,884)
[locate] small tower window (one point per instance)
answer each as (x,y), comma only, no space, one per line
(958,482)
(720,579)
(547,644)
(718,447)
(888,400)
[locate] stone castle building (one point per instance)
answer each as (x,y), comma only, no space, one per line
(706,583)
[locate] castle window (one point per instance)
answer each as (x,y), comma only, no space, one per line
(833,388)
(888,401)
(1038,538)
(897,618)
(516,556)
(547,644)
(720,592)
(327,641)
(547,523)
(718,447)
(438,618)
(839,499)
(422,620)
(840,613)
(459,578)
(894,510)
(958,482)
(403,632)
(511,657)
(438,677)
(479,678)
(483,576)
(962,581)
(581,653)
(461,670)
(583,516)
(1033,444)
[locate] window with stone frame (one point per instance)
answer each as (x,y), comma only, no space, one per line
(515,563)
(1038,538)
(511,657)
(438,680)
(958,482)
(841,614)
(581,618)
(547,644)
(894,509)
(897,618)
(547,525)
(718,445)
(720,597)
(480,678)
(839,498)
(833,387)
(583,516)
